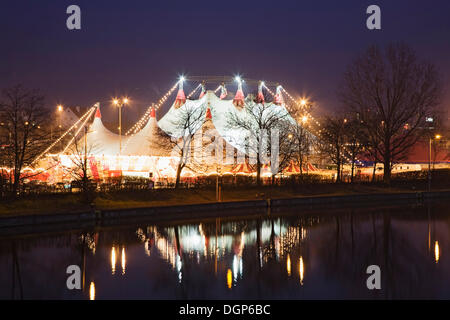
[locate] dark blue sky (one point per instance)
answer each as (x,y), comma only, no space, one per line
(140,47)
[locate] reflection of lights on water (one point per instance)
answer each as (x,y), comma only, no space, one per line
(260,259)
(303,233)
(242,245)
(179,264)
(147,250)
(229,278)
(123,260)
(301,270)
(92,291)
(237,267)
(436,252)
(288,265)
(113,260)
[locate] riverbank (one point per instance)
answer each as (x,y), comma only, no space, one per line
(73,203)
(196,203)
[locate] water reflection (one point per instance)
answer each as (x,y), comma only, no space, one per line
(288,265)
(301,270)
(229,278)
(113,260)
(255,257)
(123,261)
(436,251)
(92,291)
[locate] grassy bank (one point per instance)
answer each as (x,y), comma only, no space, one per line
(60,203)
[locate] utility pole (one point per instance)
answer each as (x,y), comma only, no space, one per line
(436,137)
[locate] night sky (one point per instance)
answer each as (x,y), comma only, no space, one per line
(139,48)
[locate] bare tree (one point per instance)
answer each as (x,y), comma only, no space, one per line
(282,148)
(393,93)
(255,122)
(80,165)
(354,142)
(302,141)
(24,122)
(184,129)
(332,143)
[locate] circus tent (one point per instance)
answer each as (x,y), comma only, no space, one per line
(292,168)
(100,140)
(145,150)
(149,141)
(222,111)
(242,168)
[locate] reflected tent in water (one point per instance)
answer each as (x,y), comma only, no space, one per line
(314,253)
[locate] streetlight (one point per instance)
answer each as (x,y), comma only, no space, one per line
(436,137)
(120,103)
(60,109)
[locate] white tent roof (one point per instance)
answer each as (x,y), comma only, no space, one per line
(221,111)
(147,141)
(100,140)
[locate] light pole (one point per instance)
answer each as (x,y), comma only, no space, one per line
(436,137)
(218,187)
(120,104)
(60,109)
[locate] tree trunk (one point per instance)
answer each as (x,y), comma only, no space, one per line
(353,169)
(16,184)
(177,182)
(374,171)
(301,165)
(387,171)
(258,172)
(338,173)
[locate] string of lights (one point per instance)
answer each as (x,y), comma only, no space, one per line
(193,91)
(138,125)
(78,131)
(302,106)
(315,121)
(87,114)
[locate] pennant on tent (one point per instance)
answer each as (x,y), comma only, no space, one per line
(223,91)
(208,114)
(260,97)
(278,99)
(98,114)
(203,90)
(181,97)
(238,100)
